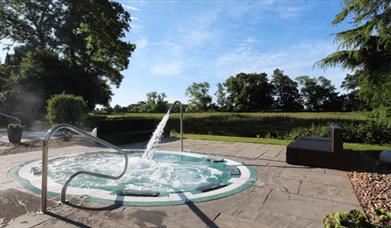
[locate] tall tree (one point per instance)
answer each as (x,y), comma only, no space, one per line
(249,92)
(287,96)
(366,48)
(319,94)
(221,96)
(31,23)
(199,99)
(156,102)
(351,100)
(91,36)
(85,36)
(4,81)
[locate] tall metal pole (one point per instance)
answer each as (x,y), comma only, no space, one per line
(181,127)
(44,186)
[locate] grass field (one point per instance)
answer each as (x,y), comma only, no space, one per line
(358,127)
(346,146)
(299,115)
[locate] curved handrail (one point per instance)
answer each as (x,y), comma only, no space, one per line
(69,179)
(11,117)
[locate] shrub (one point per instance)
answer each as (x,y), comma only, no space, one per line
(357,219)
(382,114)
(314,130)
(353,218)
(382,217)
(15,126)
(66,108)
(372,132)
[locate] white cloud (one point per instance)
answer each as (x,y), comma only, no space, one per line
(130,7)
(276,9)
(172,68)
(290,11)
(295,61)
(198,31)
(141,43)
(189,36)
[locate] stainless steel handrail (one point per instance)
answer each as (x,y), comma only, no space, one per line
(11,117)
(181,119)
(69,179)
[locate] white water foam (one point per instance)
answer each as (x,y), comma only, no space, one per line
(156,137)
(167,173)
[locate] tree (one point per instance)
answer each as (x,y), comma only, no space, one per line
(351,100)
(31,23)
(4,84)
(84,36)
(199,100)
(41,73)
(286,94)
(318,94)
(249,92)
(221,97)
(366,48)
(156,102)
(118,109)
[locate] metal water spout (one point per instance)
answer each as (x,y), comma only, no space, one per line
(181,119)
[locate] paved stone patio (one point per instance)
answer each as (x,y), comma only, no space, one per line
(284,195)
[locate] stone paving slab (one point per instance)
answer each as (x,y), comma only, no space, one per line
(329,192)
(302,206)
(283,196)
(279,219)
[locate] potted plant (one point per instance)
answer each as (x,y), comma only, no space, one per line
(14,132)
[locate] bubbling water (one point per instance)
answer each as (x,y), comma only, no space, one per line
(166,173)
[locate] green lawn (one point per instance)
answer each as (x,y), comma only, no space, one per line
(347,146)
(279,126)
(299,115)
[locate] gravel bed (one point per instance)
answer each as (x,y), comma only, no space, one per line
(371,181)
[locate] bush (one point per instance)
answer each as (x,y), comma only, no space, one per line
(353,218)
(357,219)
(67,108)
(15,126)
(372,132)
(314,130)
(382,217)
(382,114)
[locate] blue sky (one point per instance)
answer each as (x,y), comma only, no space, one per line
(180,42)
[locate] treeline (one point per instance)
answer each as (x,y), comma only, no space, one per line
(254,92)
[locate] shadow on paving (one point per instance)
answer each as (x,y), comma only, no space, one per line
(66,220)
(197,211)
(137,217)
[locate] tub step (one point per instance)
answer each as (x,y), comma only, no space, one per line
(36,171)
(233,170)
(214,159)
(133,192)
(210,186)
